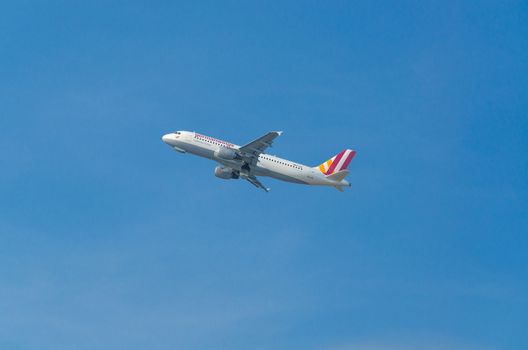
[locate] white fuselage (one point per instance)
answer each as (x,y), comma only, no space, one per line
(267,165)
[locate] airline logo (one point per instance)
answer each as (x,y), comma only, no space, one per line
(213,140)
(338,162)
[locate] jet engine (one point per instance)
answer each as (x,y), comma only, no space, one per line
(225,173)
(225,153)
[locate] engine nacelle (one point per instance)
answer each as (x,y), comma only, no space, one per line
(225,153)
(225,173)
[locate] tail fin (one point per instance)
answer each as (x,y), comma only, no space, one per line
(337,163)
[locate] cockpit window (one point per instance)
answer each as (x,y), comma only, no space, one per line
(177,132)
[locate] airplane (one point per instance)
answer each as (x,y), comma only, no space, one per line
(249,161)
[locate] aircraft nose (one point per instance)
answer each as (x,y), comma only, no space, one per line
(166,138)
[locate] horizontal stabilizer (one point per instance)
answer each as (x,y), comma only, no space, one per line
(340,175)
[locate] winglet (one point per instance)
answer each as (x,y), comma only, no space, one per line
(258,146)
(254,181)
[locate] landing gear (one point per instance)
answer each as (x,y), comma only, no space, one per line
(245,168)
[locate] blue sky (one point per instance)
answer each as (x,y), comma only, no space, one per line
(110,240)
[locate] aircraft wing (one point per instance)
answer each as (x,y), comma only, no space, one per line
(253,180)
(258,146)
(251,151)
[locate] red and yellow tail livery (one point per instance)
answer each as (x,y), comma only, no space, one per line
(337,163)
